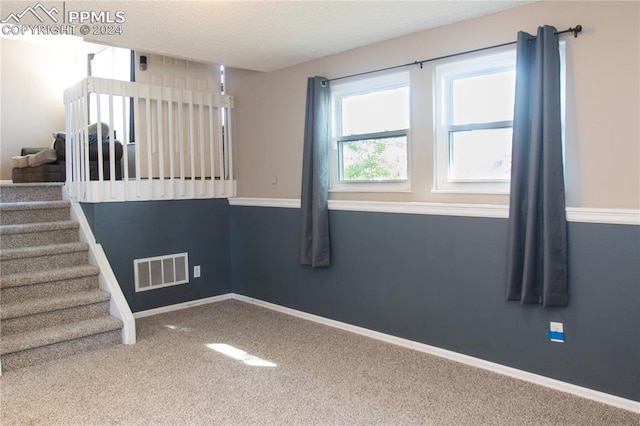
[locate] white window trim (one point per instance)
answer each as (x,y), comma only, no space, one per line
(362,86)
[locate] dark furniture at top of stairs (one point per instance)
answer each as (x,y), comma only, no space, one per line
(56,172)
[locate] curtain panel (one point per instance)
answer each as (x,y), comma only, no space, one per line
(314,222)
(537,230)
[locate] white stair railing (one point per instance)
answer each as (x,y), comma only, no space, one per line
(182,145)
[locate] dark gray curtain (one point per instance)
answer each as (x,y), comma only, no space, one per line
(537,235)
(314,224)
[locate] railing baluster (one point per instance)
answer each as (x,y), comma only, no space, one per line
(212,145)
(112,156)
(136,130)
(170,140)
(148,142)
(203,175)
(220,116)
(125,142)
(99,140)
(192,162)
(181,141)
(229,150)
(160,131)
(84,140)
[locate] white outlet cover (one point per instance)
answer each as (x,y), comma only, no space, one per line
(196,271)
(556,326)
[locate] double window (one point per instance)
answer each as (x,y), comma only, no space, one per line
(473,128)
(370,150)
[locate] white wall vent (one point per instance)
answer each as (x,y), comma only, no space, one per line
(161,271)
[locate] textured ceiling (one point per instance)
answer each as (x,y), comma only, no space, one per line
(269,35)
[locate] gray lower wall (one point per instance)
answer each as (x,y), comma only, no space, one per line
(440,280)
(135,230)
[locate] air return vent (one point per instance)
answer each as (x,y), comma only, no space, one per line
(161,271)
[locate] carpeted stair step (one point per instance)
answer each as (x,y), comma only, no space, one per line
(32,285)
(35,347)
(43,258)
(32,314)
(30,192)
(14,213)
(38,234)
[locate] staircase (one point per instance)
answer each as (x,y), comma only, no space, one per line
(51,305)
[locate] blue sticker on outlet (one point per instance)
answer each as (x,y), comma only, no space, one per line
(556,336)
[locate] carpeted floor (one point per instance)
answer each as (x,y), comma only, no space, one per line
(322,376)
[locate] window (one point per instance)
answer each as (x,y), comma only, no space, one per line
(474,123)
(113,63)
(370,149)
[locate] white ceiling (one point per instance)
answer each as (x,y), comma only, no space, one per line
(269,35)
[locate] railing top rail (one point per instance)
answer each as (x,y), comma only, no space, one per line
(143,91)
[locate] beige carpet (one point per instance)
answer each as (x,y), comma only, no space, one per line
(322,376)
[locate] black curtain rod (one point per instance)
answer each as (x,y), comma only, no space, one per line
(575,31)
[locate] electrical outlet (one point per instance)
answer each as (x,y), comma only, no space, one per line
(274,180)
(196,271)
(556,332)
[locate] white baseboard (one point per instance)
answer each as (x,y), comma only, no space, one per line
(184,305)
(580,391)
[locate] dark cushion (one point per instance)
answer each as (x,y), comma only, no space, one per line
(93,150)
(59,146)
(44,173)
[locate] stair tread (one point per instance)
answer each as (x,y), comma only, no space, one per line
(40,277)
(26,228)
(53,249)
(48,304)
(33,205)
(60,333)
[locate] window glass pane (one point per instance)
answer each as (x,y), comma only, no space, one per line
(375,112)
(484,98)
(374,159)
(481,154)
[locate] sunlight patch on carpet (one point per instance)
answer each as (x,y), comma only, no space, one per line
(240,355)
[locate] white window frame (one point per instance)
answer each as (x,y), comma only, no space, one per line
(359,87)
(480,65)
(445,74)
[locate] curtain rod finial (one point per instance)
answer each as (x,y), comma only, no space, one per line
(576,30)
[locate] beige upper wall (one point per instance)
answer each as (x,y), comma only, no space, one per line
(603,104)
(33,76)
